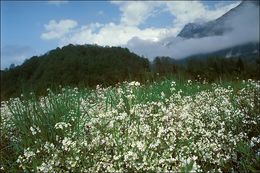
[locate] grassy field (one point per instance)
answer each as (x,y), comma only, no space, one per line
(163,126)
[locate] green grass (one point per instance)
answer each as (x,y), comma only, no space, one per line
(162,126)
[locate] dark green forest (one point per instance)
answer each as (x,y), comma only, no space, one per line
(211,69)
(89,65)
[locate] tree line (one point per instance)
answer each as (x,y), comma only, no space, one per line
(211,69)
(90,65)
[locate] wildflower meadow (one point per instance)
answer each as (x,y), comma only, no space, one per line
(165,126)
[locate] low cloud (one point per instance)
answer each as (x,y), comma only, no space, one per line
(151,42)
(133,14)
(245,29)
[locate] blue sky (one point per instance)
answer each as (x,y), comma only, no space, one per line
(33,27)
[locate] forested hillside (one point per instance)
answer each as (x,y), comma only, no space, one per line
(86,65)
(90,65)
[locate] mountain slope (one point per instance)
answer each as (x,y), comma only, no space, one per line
(227,24)
(219,26)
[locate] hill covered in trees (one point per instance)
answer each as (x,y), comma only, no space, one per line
(73,65)
(90,65)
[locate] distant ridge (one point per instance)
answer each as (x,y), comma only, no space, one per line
(218,27)
(215,27)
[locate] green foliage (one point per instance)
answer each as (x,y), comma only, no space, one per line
(90,65)
(84,66)
(210,69)
(165,126)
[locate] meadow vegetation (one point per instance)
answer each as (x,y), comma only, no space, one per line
(164,126)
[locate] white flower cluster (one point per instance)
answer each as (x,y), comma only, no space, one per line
(134,83)
(27,157)
(67,144)
(35,130)
(161,132)
(62,125)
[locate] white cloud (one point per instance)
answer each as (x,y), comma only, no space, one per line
(54,2)
(133,14)
(56,30)
(194,11)
(112,34)
(136,12)
(245,29)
